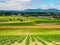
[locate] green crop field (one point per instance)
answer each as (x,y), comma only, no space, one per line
(29,39)
(29,36)
(21,21)
(27,31)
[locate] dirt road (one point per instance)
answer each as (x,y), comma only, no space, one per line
(40,26)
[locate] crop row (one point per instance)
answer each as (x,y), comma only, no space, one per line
(34,38)
(11,39)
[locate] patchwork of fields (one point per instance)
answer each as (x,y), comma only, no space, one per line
(15,30)
(21,21)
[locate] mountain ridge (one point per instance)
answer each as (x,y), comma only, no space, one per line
(33,10)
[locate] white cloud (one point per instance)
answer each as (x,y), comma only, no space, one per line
(23,4)
(49,6)
(43,7)
(14,4)
(23,0)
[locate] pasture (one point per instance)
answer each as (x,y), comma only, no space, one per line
(13,20)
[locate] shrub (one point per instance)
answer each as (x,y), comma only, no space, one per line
(18,19)
(21,20)
(10,19)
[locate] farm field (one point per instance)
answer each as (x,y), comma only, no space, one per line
(30,40)
(29,22)
(28,31)
(15,30)
(29,36)
(26,21)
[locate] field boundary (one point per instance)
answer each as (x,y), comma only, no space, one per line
(40,26)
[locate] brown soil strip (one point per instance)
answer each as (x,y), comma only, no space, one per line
(40,26)
(56,42)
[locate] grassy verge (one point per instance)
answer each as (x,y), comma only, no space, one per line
(48,21)
(17,24)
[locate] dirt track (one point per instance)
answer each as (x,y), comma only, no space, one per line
(40,26)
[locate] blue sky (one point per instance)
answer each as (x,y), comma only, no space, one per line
(29,4)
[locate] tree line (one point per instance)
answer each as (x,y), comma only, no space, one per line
(53,14)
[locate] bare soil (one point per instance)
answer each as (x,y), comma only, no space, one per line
(38,26)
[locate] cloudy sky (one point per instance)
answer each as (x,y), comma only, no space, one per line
(29,4)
